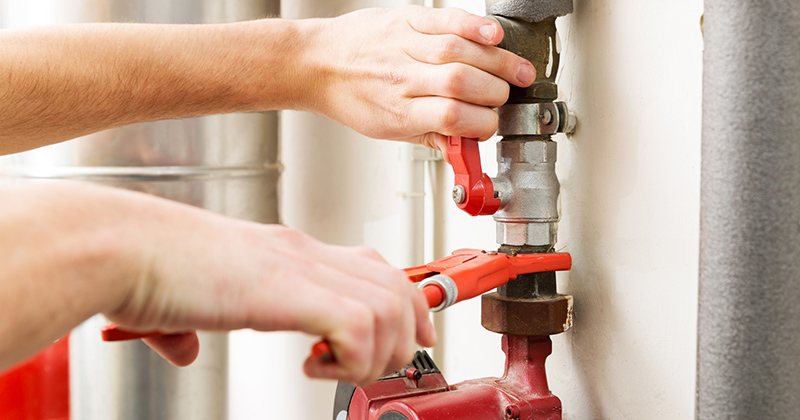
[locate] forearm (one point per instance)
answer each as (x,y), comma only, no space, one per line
(61,82)
(65,255)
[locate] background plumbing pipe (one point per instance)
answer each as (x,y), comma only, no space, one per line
(749,316)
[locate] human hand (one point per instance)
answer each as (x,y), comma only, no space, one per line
(205,271)
(413,74)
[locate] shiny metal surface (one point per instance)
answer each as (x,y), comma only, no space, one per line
(531,216)
(447,285)
(127,380)
(224,163)
(535,119)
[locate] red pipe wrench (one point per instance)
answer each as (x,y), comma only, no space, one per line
(465,274)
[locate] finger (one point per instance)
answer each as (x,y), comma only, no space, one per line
(405,344)
(462,82)
(384,316)
(442,49)
(455,21)
(390,296)
(435,141)
(326,309)
(352,343)
(425,332)
(179,349)
(450,117)
(361,262)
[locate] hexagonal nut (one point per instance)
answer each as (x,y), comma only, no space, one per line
(533,234)
(542,316)
(534,151)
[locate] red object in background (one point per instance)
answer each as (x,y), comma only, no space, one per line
(38,388)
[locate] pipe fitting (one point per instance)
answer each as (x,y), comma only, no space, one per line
(535,119)
(538,43)
(527,167)
(527,234)
(529,10)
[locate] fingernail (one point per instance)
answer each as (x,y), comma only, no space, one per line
(487,32)
(525,74)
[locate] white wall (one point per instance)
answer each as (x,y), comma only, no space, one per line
(631,71)
(630,208)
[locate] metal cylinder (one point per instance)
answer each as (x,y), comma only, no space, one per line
(225,163)
(749,317)
(531,217)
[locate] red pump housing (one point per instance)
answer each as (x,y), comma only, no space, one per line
(522,393)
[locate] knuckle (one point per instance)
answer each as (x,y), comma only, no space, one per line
(491,91)
(290,236)
(508,65)
(397,120)
(391,310)
(455,79)
(500,90)
(450,117)
(395,77)
(496,97)
(368,252)
(361,322)
(448,50)
(491,126)
(396,279)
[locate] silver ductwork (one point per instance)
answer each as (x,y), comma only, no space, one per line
(225,163)
(748,363)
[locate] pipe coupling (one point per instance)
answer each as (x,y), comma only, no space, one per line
(529,10)
(535,119)
(528,166)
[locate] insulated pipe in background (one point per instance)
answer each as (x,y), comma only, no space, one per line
(225,163)
(749,310)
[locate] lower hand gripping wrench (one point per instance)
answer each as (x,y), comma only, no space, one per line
(465,274)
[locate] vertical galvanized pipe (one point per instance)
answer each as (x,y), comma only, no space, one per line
(225,163)
(749,310)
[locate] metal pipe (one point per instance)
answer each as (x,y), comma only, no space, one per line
(225,163)
(529,10)
(749,317)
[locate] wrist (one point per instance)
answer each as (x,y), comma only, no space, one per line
(315,64)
